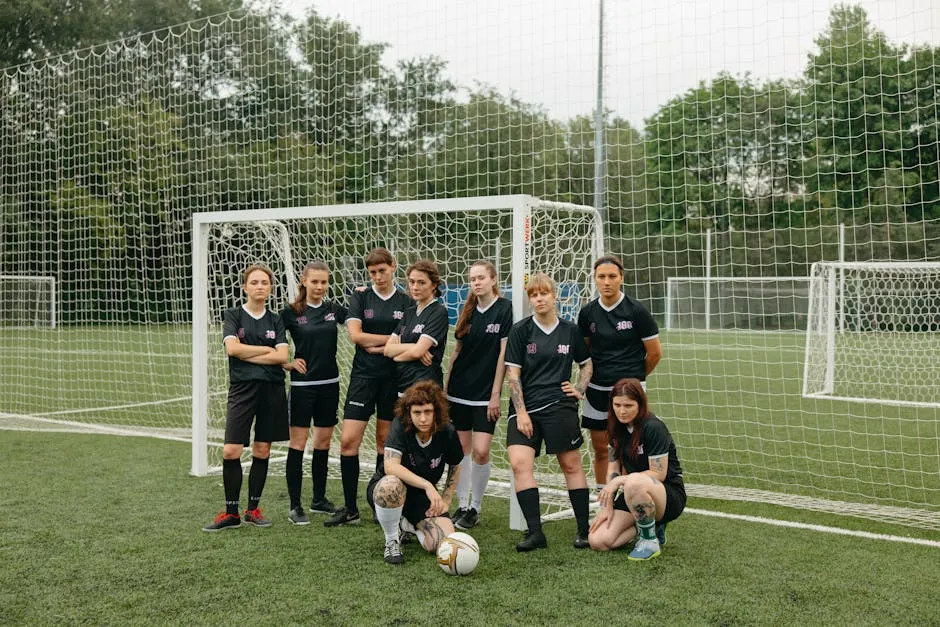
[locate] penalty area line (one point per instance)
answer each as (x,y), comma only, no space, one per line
(808,527)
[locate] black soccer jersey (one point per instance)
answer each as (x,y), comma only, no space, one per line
(545,357)
(471,376)
(656,441)
(617,337)
(430,322)
(268,330)
(425,460)
(381,316)
(314,334)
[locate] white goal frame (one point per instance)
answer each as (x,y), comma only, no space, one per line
(826,320)
(520,207)
(50,280)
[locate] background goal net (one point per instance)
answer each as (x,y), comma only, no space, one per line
(733,144)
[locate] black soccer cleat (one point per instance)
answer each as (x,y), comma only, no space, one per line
(224,521)
(393,552)
(256,518)
(532,540)
(469,519)
(323,506)
(298,517)
(342,517)
(581,541)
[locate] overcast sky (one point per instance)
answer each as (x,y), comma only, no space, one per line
(545,51)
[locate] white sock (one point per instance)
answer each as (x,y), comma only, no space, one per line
(479,477)
(388,517)
(463,483)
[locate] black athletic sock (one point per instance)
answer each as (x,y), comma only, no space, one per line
(531,510)
(380,463)
(318,470)
(295,475)
(579,503)
(349,469)
(232,480)
(256,478)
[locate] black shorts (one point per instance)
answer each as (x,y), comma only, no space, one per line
(556,425)
(675,502)
(313,403)
(261,402)
(471,418)
(416,502)
(594,409)
(365,397)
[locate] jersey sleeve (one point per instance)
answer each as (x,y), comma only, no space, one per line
(505,322)
(454,449)
(280,333)
(515,349)
(355,307)
(340,312)
(646,325)
(229,324)
(580,350)
(584,322)
(655,438)
(395,440)
(287,319)
(436,328)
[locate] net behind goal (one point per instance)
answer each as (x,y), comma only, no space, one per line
(27,301)
(518,234)
(874,333)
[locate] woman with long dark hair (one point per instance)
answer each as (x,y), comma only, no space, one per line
(645,467)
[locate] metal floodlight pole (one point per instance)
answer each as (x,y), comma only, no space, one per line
(599,119)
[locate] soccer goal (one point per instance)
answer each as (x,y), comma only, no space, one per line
(519,234)
(874,333)
(776,303)
(27,301)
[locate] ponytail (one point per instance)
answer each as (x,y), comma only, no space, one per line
(300,301)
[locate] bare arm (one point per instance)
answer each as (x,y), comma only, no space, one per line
(585,371)
(450,485)
(658,467)
(365,340)
(654,352)
(492,409)
(234,348)
(409,352)
(515,389)
(450,363)
(277,357)
(394,467)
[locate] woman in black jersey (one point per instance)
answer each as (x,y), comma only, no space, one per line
(417,347)
(374,314)
(645,466)
(420,443)
(544,407)
(475,384)
(312,323)
(624,342)
(256,345)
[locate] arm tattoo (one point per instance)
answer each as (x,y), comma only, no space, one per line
(515,393)
(584,377)
(658,465)
(433,533)
(392,455)
(450,485)
(612,476)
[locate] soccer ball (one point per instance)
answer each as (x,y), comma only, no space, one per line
(458,554)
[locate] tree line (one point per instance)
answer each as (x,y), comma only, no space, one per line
(107,151)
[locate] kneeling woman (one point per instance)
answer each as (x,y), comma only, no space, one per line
(420,441)
(643,462)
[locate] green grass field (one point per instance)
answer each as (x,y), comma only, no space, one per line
(100,529)
(731,400)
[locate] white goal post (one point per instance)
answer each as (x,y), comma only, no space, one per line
(772,303)
(27,301)
(874,333)
(519,234)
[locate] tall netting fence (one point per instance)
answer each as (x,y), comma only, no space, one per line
(742,154)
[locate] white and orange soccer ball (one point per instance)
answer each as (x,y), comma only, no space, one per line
(458,554)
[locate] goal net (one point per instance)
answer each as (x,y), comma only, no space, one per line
(874,333)
(27,301)
(737,303)
(519,234)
